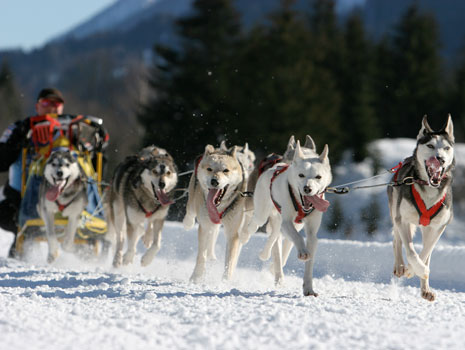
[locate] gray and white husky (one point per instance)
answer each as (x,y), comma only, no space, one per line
(424,200)
(290,196)
(63,189)
(140,194)
(215,198)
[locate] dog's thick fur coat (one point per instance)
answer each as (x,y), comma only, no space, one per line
(430,168)
(140,193)
(215,198)
(64,189)
(289,196)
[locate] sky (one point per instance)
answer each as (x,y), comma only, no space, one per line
(29,24)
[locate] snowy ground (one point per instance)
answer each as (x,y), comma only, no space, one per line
(77,304)
(82,304)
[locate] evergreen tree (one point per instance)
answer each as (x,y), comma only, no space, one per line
(416,71)
(191,83)
(457,99)
(10,103)
(356,86)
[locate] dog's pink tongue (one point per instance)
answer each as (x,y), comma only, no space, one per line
(320,204)
(53,193)
(163,198)
(434,164)
(212,211)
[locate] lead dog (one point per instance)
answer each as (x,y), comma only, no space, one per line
(427,203)
(63,189)
(140,192)
(289,195)
(215,198)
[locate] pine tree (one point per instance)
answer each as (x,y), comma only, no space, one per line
(10,103)
(356,84)
(416,86)
(191,82)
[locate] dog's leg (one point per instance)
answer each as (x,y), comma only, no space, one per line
(189,218)
(287,246)
(289,230)
(312,242)
(275,224)
(132,235)
(399,267)
(204,237)
(155,230)
(148,235)
(277,264)
(68,242)
(211,248)
(233,249)
(52,240)
(118,225)
(416,265)
(431,236)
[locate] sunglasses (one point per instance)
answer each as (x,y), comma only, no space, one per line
(45,102)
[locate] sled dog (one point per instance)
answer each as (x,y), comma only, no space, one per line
(291,196)
(215,198)
(62,189)
(423,199)
(140,194)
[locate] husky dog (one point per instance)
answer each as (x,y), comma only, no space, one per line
(215,198)
(63,189)
(426,203)
(291,196)
(140,190)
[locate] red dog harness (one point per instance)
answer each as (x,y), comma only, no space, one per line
(425,214)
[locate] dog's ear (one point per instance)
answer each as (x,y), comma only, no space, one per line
(223,145)
(425,128)
(449,128)
(309,143)
(209,149)
(324,155)
(233,152)
(291,143)
(246,148)
(298,151)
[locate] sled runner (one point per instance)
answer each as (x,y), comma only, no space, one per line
(84,137)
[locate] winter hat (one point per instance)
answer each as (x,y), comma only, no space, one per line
(51,93)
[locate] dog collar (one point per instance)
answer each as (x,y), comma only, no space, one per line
(147,212)
(426,214)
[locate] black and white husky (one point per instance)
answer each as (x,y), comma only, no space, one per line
(140,194)
(63,189)
(424,199)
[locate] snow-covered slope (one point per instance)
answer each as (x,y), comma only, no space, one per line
(77,304)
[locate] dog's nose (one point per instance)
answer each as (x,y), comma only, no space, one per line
(307,189)
(441,160)
(162,168)
(162,185)
(214,182)
(59,173)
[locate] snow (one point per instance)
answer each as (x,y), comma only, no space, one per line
(78,303)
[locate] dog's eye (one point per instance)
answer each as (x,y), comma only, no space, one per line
(430,146)
(168,173)
(318,177)
(226,171)
(209,169)
(447,148)
(301,175)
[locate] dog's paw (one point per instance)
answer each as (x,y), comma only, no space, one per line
(303,255)
(52,256)
(147,258)
(428,295)
(128,258)
(399,270)
(188,222)
(147,239)
(408,271)
(118,260)
(310,293)
(265,254)
(69,247)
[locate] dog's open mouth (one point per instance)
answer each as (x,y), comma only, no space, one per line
(435,171)
(56,189)
(161,196)
(214,197)
(316,201)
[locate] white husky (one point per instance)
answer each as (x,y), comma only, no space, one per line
(424,201)
(289,196)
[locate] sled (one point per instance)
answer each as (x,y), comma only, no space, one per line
(84,137)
